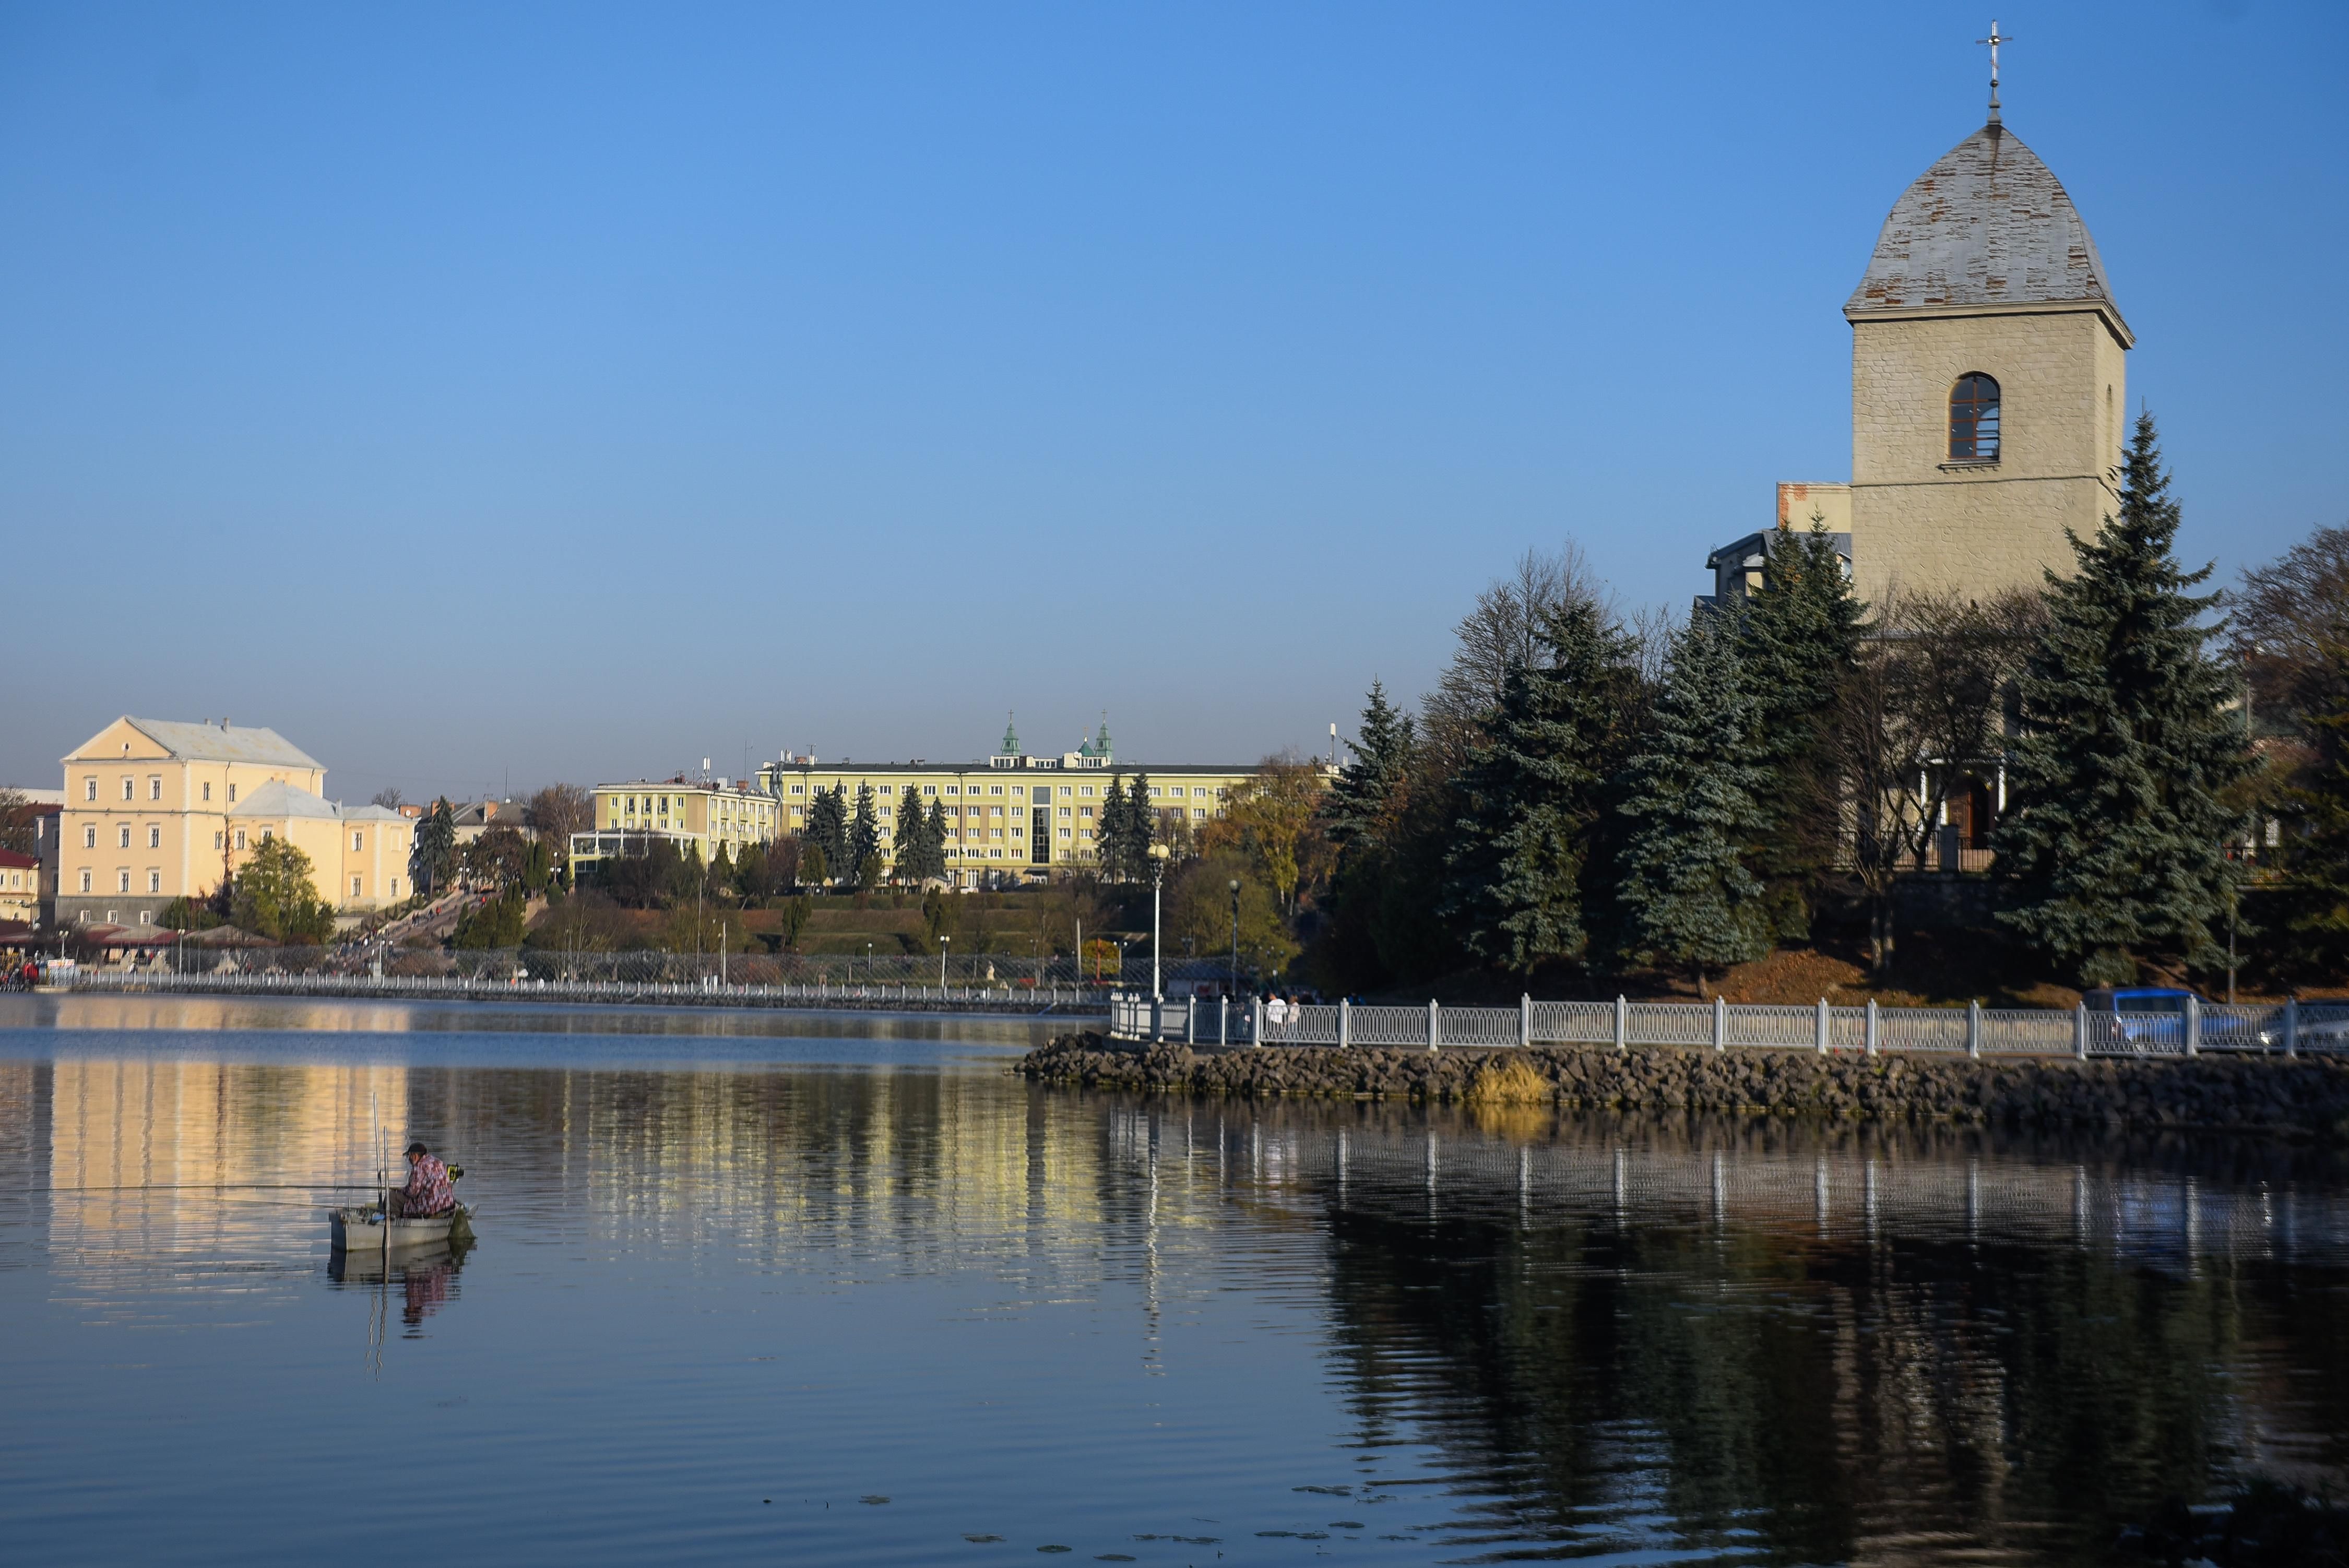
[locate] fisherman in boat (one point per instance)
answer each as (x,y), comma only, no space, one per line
(428,1192)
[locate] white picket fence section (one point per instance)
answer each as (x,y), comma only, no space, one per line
(2290,1029)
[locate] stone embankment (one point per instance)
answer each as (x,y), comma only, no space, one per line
(2241,1094)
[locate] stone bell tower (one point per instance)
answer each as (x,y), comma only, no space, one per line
(1989,391)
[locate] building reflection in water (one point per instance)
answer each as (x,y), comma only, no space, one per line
(1743,1338)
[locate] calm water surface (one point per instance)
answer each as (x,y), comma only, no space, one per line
(843,1290)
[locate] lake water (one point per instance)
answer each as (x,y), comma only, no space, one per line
(841,1290)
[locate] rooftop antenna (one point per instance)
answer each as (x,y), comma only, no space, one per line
(1994,40)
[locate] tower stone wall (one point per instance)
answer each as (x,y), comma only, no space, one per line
(1923,523)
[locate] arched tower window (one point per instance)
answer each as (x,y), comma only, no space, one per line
(1973,419)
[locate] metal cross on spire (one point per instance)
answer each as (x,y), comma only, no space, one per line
(1994,40)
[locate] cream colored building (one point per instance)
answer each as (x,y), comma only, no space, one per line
(1988,388)
(1013,814)
(157,809)
(1007,816)
(20,886)
(700,816)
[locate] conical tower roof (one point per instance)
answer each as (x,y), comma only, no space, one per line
(1989,227)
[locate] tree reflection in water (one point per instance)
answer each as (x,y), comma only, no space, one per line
(1816,1387)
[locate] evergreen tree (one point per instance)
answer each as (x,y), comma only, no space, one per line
(1141,829)
(865,861)
(1358,799)
(432,858)
(2319,853)
(934,842)
(2115,828)
(1109,836)
(905,837)
(1798,640)
(1531,792)
(826,836)
(1684,895)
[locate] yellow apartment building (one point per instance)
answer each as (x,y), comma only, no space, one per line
(1013,814)
(1009,816)
(159,808)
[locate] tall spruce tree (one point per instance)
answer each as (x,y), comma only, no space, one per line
(432,859)
(2114,832)
(1140,828)
(1798,640)
(1684,895)
(934,842)
(1358,797)
(907,840)
(826,834)
(2318,855)
(1109,832)
(865,861)
(1531,792)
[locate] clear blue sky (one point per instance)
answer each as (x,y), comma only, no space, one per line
(488,393)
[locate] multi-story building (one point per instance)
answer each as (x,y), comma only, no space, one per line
(20,887)
(157,810)
(700,816)
(1012,814)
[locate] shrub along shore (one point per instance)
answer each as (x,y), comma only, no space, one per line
(2296,1098)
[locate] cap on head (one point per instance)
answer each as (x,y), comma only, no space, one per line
(418,1148)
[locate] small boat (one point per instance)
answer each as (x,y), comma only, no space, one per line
(365,1230)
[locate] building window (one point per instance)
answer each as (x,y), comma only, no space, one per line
(154,881)
(154,838)
(995,790)
(154,787)
(147,916)
(207,792)
(89,838)
(122,882)
(1084,811)
(90,788)
(355,887)
(1086,791)
(1973,419)
(240,837)
(85,882)
(122,837)
(129,788)
(216,841)
(358,839)
(232,794)
(395,887)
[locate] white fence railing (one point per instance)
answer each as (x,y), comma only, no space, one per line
(708,990)
(2287,1029)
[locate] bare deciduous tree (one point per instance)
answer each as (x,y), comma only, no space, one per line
(555,813)
(1501,633)
(1926,702)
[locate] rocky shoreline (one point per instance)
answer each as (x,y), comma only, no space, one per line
(2300,1098)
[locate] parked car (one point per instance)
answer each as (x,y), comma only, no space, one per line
(2147,1017)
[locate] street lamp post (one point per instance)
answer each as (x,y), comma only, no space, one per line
(1158,854)
(1236,937)
(944,943)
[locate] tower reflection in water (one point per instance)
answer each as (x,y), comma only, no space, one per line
(1587,1334)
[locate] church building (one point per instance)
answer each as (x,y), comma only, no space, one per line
(1989,389)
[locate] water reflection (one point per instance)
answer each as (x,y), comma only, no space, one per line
(427,1276)
(1437,1336)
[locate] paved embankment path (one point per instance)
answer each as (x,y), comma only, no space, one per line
(2297,1097)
